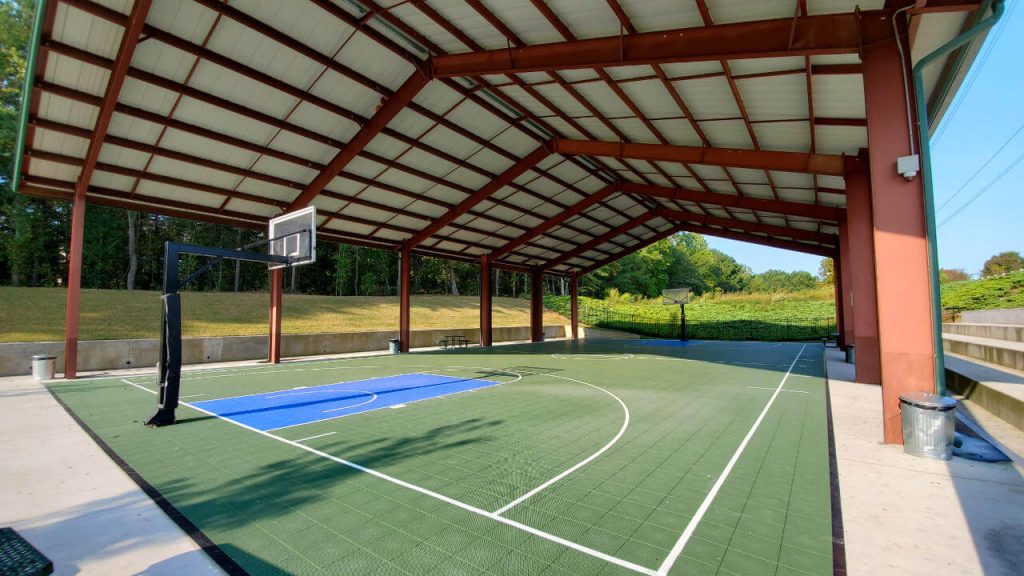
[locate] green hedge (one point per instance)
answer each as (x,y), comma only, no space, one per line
(1005,291)
(724,319)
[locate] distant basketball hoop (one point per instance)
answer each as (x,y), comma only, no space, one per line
(680,297)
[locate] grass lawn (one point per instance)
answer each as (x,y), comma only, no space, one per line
(1006,291)
(35,314)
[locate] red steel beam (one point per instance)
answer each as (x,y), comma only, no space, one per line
(536,305)
(762,240)
(506,178)
(783,207)
(574,304)
(771,230)
(825,164)
(129,39)
(404,297)
(353,147)
(485,300)
(553,222)
(647,242)
(276,305)
(803,36)
(598,240)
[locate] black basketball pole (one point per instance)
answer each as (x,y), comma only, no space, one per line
(682,323)
(170,324)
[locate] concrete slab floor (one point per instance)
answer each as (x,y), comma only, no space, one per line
(66,497)
(913,516)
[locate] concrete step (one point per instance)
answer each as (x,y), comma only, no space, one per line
(1001,353)
(1009,332)
(998,390)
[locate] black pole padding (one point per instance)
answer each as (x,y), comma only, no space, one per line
(682,323)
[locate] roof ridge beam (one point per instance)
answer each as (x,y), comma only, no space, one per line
(732,223)
(845,33)
(632,249)
(598,240)
(784,207)
(563,216)
(504,179)
(826,164)
(822,251)
(357,143)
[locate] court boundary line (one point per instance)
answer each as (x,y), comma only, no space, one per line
(495,384)
(581,463)
(691,527)
(426,492)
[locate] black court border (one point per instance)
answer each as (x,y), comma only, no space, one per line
(232,568)
(219,556)
(838,534)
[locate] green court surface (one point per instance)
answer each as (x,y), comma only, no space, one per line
(607,457)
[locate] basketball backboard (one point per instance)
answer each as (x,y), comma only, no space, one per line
(293,235)
(675,296)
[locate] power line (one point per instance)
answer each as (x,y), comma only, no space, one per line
(975,70)
(986,188)
(983,166)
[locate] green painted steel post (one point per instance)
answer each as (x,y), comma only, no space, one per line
(26,92)
(926,171)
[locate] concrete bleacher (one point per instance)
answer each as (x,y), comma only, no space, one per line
(985,361)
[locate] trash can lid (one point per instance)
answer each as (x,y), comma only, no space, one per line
(928,401)
(43,357)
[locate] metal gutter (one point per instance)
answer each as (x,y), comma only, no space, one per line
(26,92)
(926,169)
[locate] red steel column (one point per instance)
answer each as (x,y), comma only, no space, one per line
(74,285)
(862,266)
(574,305)
(837,283)
(276,305)
(846,283)
(404,272)
(536,305)
(485,301)
(900,240)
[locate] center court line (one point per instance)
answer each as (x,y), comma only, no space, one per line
(582,463)
(706,504)
(766,388)
(317,436)
(469,508)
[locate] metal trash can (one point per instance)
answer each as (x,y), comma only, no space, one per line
(44,366)
(394,345)
(929,421)
(850,355)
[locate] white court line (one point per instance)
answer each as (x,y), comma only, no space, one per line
(192,396)
(312,437)
(529,529)
(706,504)
(766,388)
(276,393)
(372,398)
(583,462)
(518,378)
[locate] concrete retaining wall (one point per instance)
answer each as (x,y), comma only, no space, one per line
(1007,332)
(16,357)
(1001,355)
(1004,316)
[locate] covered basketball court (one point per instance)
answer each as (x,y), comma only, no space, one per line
(547,138)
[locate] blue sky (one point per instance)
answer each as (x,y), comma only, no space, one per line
(987,111)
